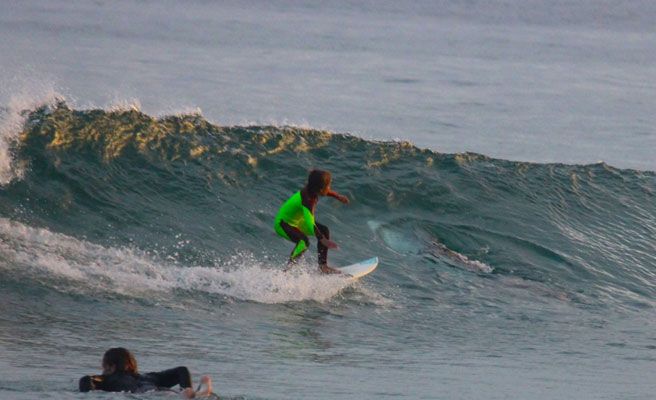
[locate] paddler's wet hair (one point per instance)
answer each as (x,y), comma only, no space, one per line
(121,359)
(317,181)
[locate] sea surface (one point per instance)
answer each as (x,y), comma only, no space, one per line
(498,156)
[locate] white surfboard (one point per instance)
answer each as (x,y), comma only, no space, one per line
(360,269)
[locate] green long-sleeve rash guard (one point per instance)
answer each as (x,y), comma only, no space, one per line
(296,214)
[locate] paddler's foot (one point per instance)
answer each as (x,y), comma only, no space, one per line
(325,269)
(204,389)
(206,386)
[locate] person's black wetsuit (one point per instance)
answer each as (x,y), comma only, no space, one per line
(125,382)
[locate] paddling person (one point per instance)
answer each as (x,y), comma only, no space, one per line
(120,374)
(295,220)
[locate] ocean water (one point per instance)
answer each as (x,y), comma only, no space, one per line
(498,157)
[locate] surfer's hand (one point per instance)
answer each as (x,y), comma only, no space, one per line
(343,199)
(328,243)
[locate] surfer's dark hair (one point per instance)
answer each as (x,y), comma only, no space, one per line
(317,181)
(121,359)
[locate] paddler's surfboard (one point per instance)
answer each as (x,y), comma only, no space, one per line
(360,269)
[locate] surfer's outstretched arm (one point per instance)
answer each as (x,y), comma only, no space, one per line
(340,197)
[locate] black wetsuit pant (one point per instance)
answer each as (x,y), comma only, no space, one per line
(296,236)
(170,377)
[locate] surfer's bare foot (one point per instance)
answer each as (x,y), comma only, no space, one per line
(328,270)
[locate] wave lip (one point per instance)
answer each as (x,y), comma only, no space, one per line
(13,117)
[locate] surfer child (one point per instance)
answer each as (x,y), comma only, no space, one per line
(295,220)
(120,374)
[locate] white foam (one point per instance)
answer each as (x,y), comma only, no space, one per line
(123,104)
(279,123)
(440,249)
(12,119)
(85,267)
(407,243)
(180,111)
